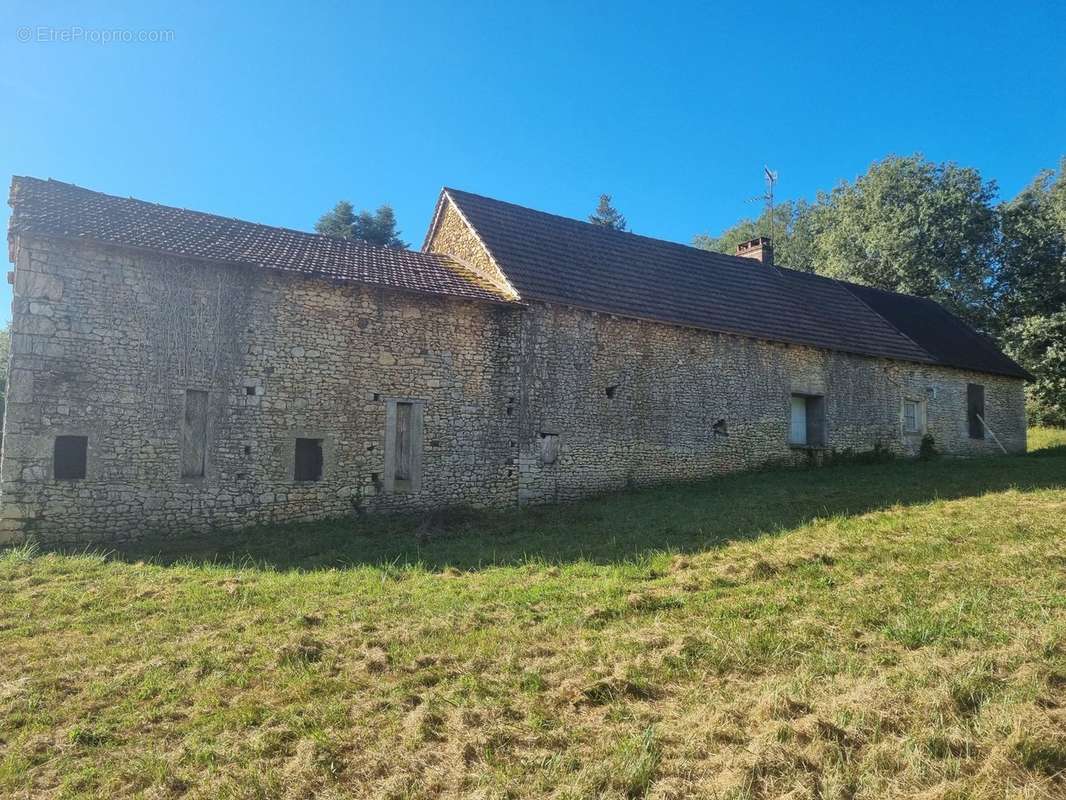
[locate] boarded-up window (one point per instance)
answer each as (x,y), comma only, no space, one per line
(69,457)
(975,409)
(307,464)
(194,435)
(549,447)
(403,446)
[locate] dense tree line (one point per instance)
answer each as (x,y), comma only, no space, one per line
(938,230)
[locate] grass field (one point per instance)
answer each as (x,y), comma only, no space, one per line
(851,632)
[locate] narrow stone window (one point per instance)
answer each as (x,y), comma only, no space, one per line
(307,463)
(611,390)
(403,446)
(194,435)
(249,391)
(975,410)
(70,457)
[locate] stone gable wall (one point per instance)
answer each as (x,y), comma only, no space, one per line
(454,237)
(105,344)
(518,404)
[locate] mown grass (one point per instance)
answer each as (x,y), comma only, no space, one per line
(856,631)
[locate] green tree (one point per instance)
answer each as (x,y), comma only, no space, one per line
(377,228)
(1031,290)
(338,221)
(910,225)
(607,215)
(794,230)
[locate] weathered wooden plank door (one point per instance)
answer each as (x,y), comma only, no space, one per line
(194,435)
(403,442)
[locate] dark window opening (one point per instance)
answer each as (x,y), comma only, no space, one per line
(720,428)
(611,391)
(70,457)
(975,409)
(249,390)
(308,463)
(194,435)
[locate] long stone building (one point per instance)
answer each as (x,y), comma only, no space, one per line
(173,370)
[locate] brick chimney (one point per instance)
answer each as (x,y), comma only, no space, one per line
(758,248)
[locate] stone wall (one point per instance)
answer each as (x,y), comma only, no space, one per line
(105,344)
(516,404)
(627,402)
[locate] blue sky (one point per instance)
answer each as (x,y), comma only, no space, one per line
(273,111)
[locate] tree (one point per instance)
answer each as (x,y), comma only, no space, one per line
(795,226)
(1039,342)
(607,215)
(909,225)
(1031,290)
(377,229)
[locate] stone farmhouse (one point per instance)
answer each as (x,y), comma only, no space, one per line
(173,370)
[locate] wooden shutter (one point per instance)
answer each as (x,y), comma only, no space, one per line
(403,446)
(194,435)
(798,428)
(975,409)
(307,460)
(70,457)
(403,442)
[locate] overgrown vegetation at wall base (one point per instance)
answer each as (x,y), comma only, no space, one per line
(858,631)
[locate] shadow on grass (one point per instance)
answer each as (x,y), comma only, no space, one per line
(611,528)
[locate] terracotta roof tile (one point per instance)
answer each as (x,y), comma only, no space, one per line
(54,208)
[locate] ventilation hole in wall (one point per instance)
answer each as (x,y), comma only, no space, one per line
(611,391)
(375,477)
(510,410)
(692,351)
(370,448)
(720,428)
(241,476)
(434,443)
(514,444)
(247,449)
(377,396)
(510,473)
(249,390)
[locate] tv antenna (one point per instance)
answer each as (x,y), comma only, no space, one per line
(771,179)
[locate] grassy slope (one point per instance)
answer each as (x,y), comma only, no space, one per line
(849,632)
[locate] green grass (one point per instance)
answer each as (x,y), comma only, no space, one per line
(1047,439)
(856,631)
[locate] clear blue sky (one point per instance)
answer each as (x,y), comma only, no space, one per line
(273,111)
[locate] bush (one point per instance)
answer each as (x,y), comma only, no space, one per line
(927,451)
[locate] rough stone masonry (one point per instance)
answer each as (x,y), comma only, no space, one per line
(156,389)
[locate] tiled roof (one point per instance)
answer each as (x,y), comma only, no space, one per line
(939,332)
(560,260)
(54,208)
